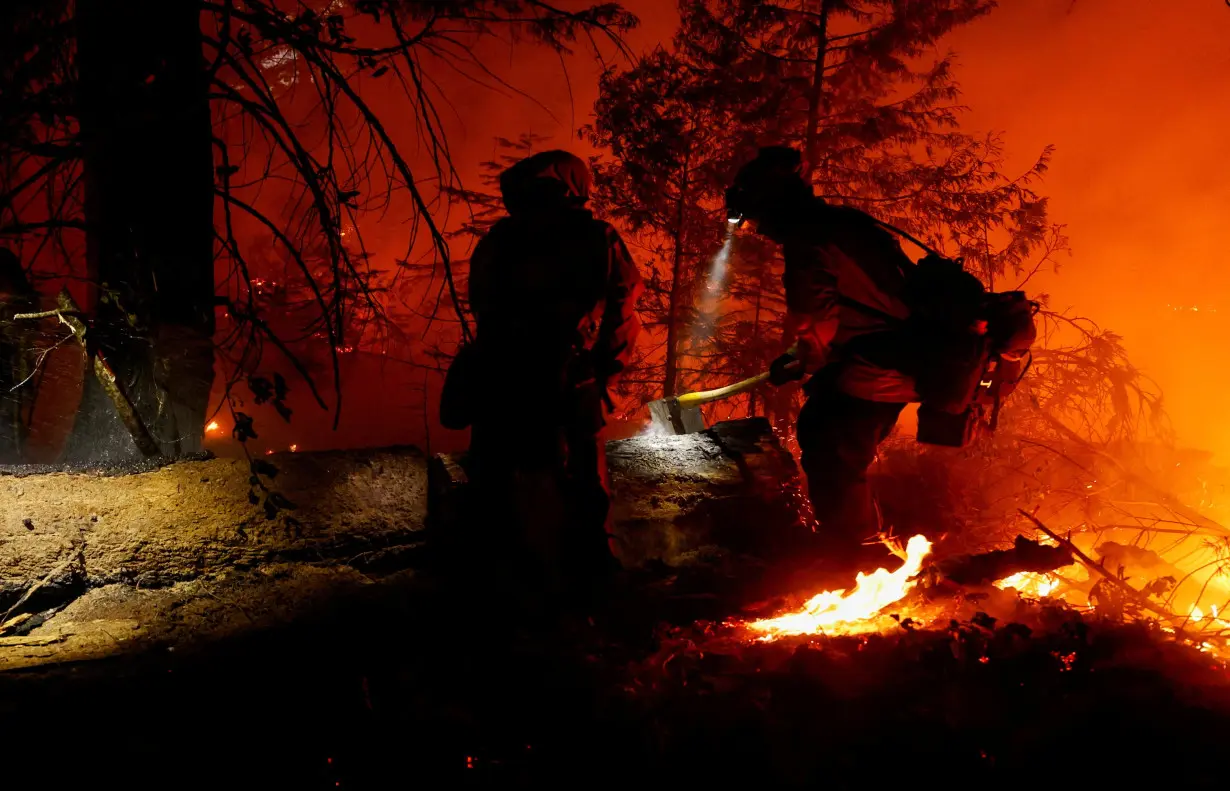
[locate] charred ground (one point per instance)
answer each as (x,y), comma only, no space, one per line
(412,684)
(339,669)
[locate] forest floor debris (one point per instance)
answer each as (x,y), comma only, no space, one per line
(409,677)
(330,660)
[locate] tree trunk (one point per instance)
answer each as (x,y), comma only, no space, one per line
(779,403)
(751,398)
(815,102)
(145,126)
(670,378)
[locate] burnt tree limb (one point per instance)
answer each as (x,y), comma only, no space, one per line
(987,567)
(1138,598)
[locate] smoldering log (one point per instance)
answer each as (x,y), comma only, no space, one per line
(987,567)
(194,519)
(732,488)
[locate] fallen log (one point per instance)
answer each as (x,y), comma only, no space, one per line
(193,518)
(8,642)
(732,488)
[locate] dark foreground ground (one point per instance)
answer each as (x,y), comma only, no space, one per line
(413,686)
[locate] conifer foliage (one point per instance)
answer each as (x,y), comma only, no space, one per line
(864,90)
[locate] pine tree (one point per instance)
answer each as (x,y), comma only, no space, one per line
(667,128)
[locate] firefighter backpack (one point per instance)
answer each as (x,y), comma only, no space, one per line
(969,348)
(965,347)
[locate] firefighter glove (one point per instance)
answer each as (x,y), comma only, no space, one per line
(784,369)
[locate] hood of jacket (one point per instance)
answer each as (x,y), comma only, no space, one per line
(546,181)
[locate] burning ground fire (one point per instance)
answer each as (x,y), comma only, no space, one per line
(1032,584)
(838,612)
(861,609)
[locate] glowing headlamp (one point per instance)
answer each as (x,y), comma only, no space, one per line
(735,205)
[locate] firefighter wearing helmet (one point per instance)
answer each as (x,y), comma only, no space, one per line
(845,293)
(553,291)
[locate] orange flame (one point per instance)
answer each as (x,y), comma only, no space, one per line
(838,612)
(213,426)
(1030,583)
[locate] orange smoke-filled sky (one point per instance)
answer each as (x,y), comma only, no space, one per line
(1134,94)
(1136,97)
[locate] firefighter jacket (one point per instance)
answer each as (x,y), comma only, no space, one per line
(552,288)
(844,281)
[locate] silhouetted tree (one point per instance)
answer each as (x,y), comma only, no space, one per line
(107,129)
(667,128)
(144,127)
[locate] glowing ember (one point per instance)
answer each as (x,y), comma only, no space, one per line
(838,612)
(294,448)
(1030,583)
(213,426)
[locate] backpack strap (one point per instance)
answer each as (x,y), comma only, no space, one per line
(908,237)
(867,309)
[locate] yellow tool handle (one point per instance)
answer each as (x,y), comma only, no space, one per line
(689,400)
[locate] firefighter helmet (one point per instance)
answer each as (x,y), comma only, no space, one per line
(775,173)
